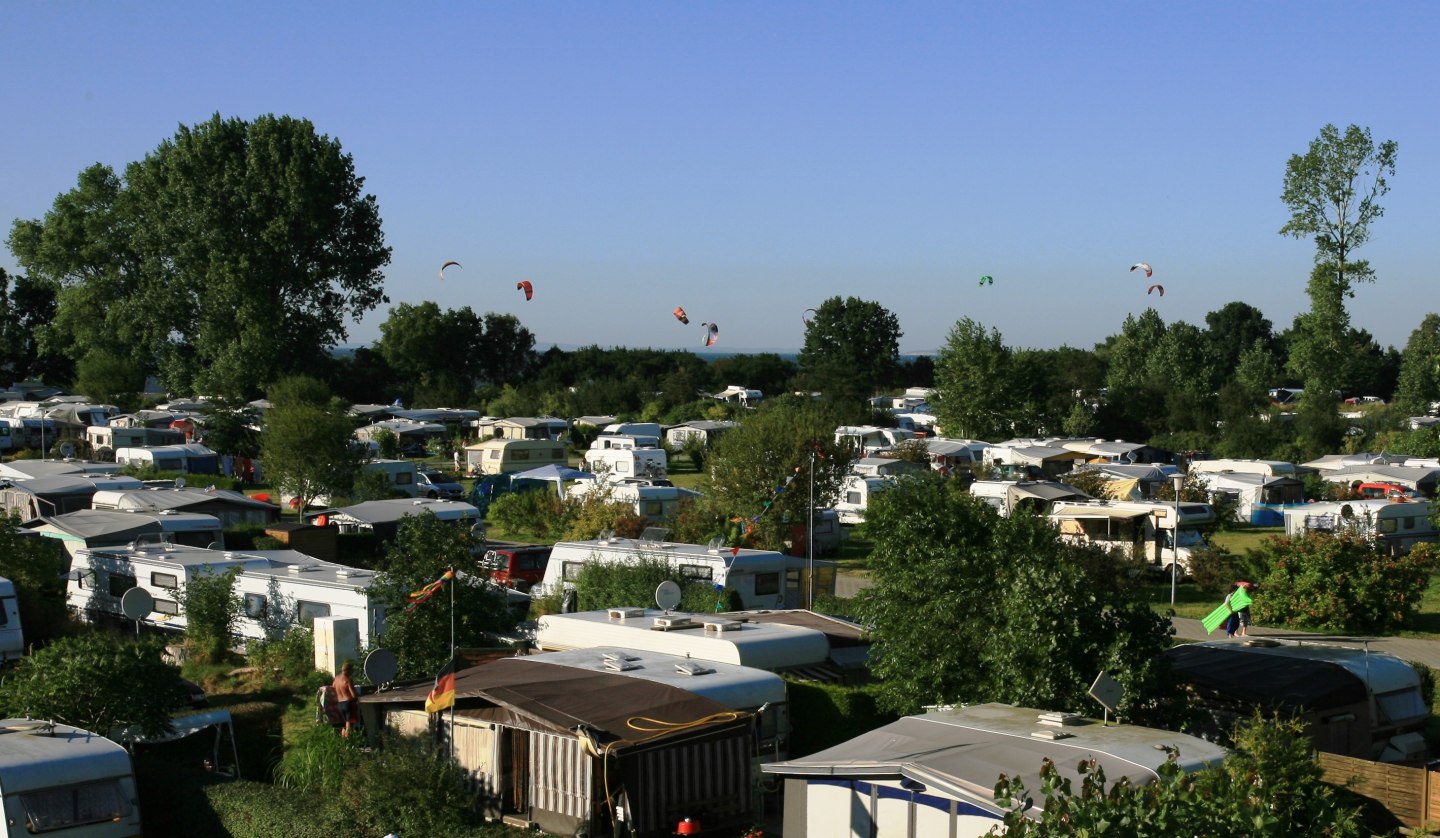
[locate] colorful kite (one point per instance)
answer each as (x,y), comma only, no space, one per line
(1154,287)
(987,279)
(712,333)
(1144,265)
(448,264)
(682,316)
(524,285)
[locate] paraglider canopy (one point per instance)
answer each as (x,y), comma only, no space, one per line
(1154,287)
(682,316)
(524,285)
(1144,265)
(448,264)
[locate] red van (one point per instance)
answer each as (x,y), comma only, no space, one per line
(518,567)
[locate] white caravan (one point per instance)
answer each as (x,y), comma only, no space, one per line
(762,578)
(65,782)
(304,587)
(616,464)
(12,637)
(1146,528)
(855,496)
(1400,524)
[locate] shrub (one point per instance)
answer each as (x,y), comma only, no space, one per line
(287,660)
(617,585)
(407,788)
(212,611)
(316,760)
(825,715)
(1216,569)
(535,513)
(1341,582)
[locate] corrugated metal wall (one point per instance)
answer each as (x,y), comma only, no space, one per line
(562,775)
(709,778)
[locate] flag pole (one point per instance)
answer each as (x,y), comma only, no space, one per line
(454,582)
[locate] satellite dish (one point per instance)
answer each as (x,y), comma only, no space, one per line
(67,450)
(179,482)
(136,604)
(381,666)
(667,595)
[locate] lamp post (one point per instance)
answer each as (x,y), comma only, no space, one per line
(810,536)
(1177,480)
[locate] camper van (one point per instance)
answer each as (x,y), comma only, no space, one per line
(1401,525)
(105,439)
(267,579)
(12,638)
(505,456)
(65,782)
(1145,528)
(762,578)
(643,433)
(518,566)
(855,496)
(616,464)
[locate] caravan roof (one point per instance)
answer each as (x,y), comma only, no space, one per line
(738,687)
(390,511)
(42,755)
(771,646)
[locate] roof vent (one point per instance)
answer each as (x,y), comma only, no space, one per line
(350,573)
(626,613)
(303,568)
(673,623)
(619,656)
(1050,735)
(689,668)
(1261,642)
(722,625)
(621,665)
(1060,719)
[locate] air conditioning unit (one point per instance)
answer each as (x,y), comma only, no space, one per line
(721,625)
(626,613)
(673,622)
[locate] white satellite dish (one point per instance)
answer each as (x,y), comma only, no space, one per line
(381,666)
(136,604)
(667,595)
(179,482)
(67,450)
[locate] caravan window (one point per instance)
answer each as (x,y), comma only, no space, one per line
(853,498)
(164,580)
(310,610)
(120,583)
(256,606)
(652,508)
(557,454)
(1387,525)
(520,455)
(622,467)
(571,571)
(1401,706)
(697,571)
(5,605)
(167,606)
(767,584)
(404,478)
(66,806)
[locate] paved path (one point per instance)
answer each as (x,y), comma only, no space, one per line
(1404,648)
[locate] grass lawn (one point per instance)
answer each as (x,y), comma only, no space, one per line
(1240,541)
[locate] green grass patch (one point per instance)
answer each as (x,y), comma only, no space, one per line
(1191,601)
(1243,539)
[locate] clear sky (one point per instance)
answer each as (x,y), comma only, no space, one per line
(747,160)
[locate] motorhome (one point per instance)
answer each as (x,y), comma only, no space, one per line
(12,634)
(279,587)
(855,495)
(867,439)
(1269,468)
(1145,529)
(1400,524)
(66,782)
(761,578)
(616,464)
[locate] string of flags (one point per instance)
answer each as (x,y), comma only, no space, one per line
(425,593)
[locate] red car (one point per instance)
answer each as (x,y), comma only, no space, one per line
(517,567)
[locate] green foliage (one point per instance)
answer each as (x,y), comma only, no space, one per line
(287,659)
(34,565)
(387,443)
(96,681)
(587,516)
(968,606)
(1420,369)
(632,585)
(973,383)
(110,379)
(248,809)
(212,613)
(1342,581)
(1216,569)
(1270,788)
(772,446)
(535,514)
(316,759)
(407,788)
(825,715)
(233,253)
(851,351)
(307,445)
(423,549)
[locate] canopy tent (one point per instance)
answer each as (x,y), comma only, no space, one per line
(554,473)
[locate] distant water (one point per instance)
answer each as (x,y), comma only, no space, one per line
(708,354)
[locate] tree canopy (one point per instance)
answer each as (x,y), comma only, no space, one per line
(969,606)
(307,447)
(973,385)
(852,348)
(233,253)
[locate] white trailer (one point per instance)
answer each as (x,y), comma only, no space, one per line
(63,781)
(653,503)
(855,496)
(278,586)
(1400,524)
(12,636)
(1146,527)
(762,578)
(616,464)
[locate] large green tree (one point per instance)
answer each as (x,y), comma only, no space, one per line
(98,682)
(35,566)
(772,449)
(308,448)
(26,305)
(423,550)
(851,351)
(973,395)
(969,606)
(1420,369)
(432,351)
(235,252)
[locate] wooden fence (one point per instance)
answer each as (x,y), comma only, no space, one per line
(1410,793)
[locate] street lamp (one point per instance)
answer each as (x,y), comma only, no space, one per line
(1177,480)
(810,536)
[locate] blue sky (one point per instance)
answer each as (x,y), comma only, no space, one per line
(747,160)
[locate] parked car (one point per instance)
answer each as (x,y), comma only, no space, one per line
(414,450)
(437,484)
(519,567)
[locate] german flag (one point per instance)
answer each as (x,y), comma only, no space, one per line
(443,696)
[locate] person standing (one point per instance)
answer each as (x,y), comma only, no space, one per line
(345,697)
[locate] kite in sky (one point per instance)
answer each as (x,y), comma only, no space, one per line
(448,264)
(987,279)
(712,333)
(805,315)
(1144,265)
(682,316)
(524,285)
(1154,287)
